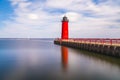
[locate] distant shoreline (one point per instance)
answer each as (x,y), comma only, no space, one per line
(27,38)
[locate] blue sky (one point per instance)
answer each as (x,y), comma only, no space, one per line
(5,9)
(42,18)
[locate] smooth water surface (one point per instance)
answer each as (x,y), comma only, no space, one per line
(41,59)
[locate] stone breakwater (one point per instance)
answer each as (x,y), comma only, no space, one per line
(109,47)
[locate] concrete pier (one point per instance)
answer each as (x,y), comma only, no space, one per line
(109,47)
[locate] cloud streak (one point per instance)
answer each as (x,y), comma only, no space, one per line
(42,19)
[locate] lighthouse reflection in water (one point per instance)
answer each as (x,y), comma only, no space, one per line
(64,57)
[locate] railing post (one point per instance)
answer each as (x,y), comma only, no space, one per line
(110,41)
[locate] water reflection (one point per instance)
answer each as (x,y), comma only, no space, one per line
(42,60)
(99,57)
(64,57)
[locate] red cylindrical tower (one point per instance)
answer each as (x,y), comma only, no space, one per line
(65,33)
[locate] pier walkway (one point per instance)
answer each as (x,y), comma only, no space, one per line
(100,45)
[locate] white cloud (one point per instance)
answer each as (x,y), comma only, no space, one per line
(73,16)
(34,19)
(33,16)
(16,2)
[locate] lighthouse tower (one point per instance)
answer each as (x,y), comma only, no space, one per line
(65,32)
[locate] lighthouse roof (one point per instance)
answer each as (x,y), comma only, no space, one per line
(65,18)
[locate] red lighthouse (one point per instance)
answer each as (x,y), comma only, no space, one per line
(65,28)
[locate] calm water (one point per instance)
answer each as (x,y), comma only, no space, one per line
(40,59)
